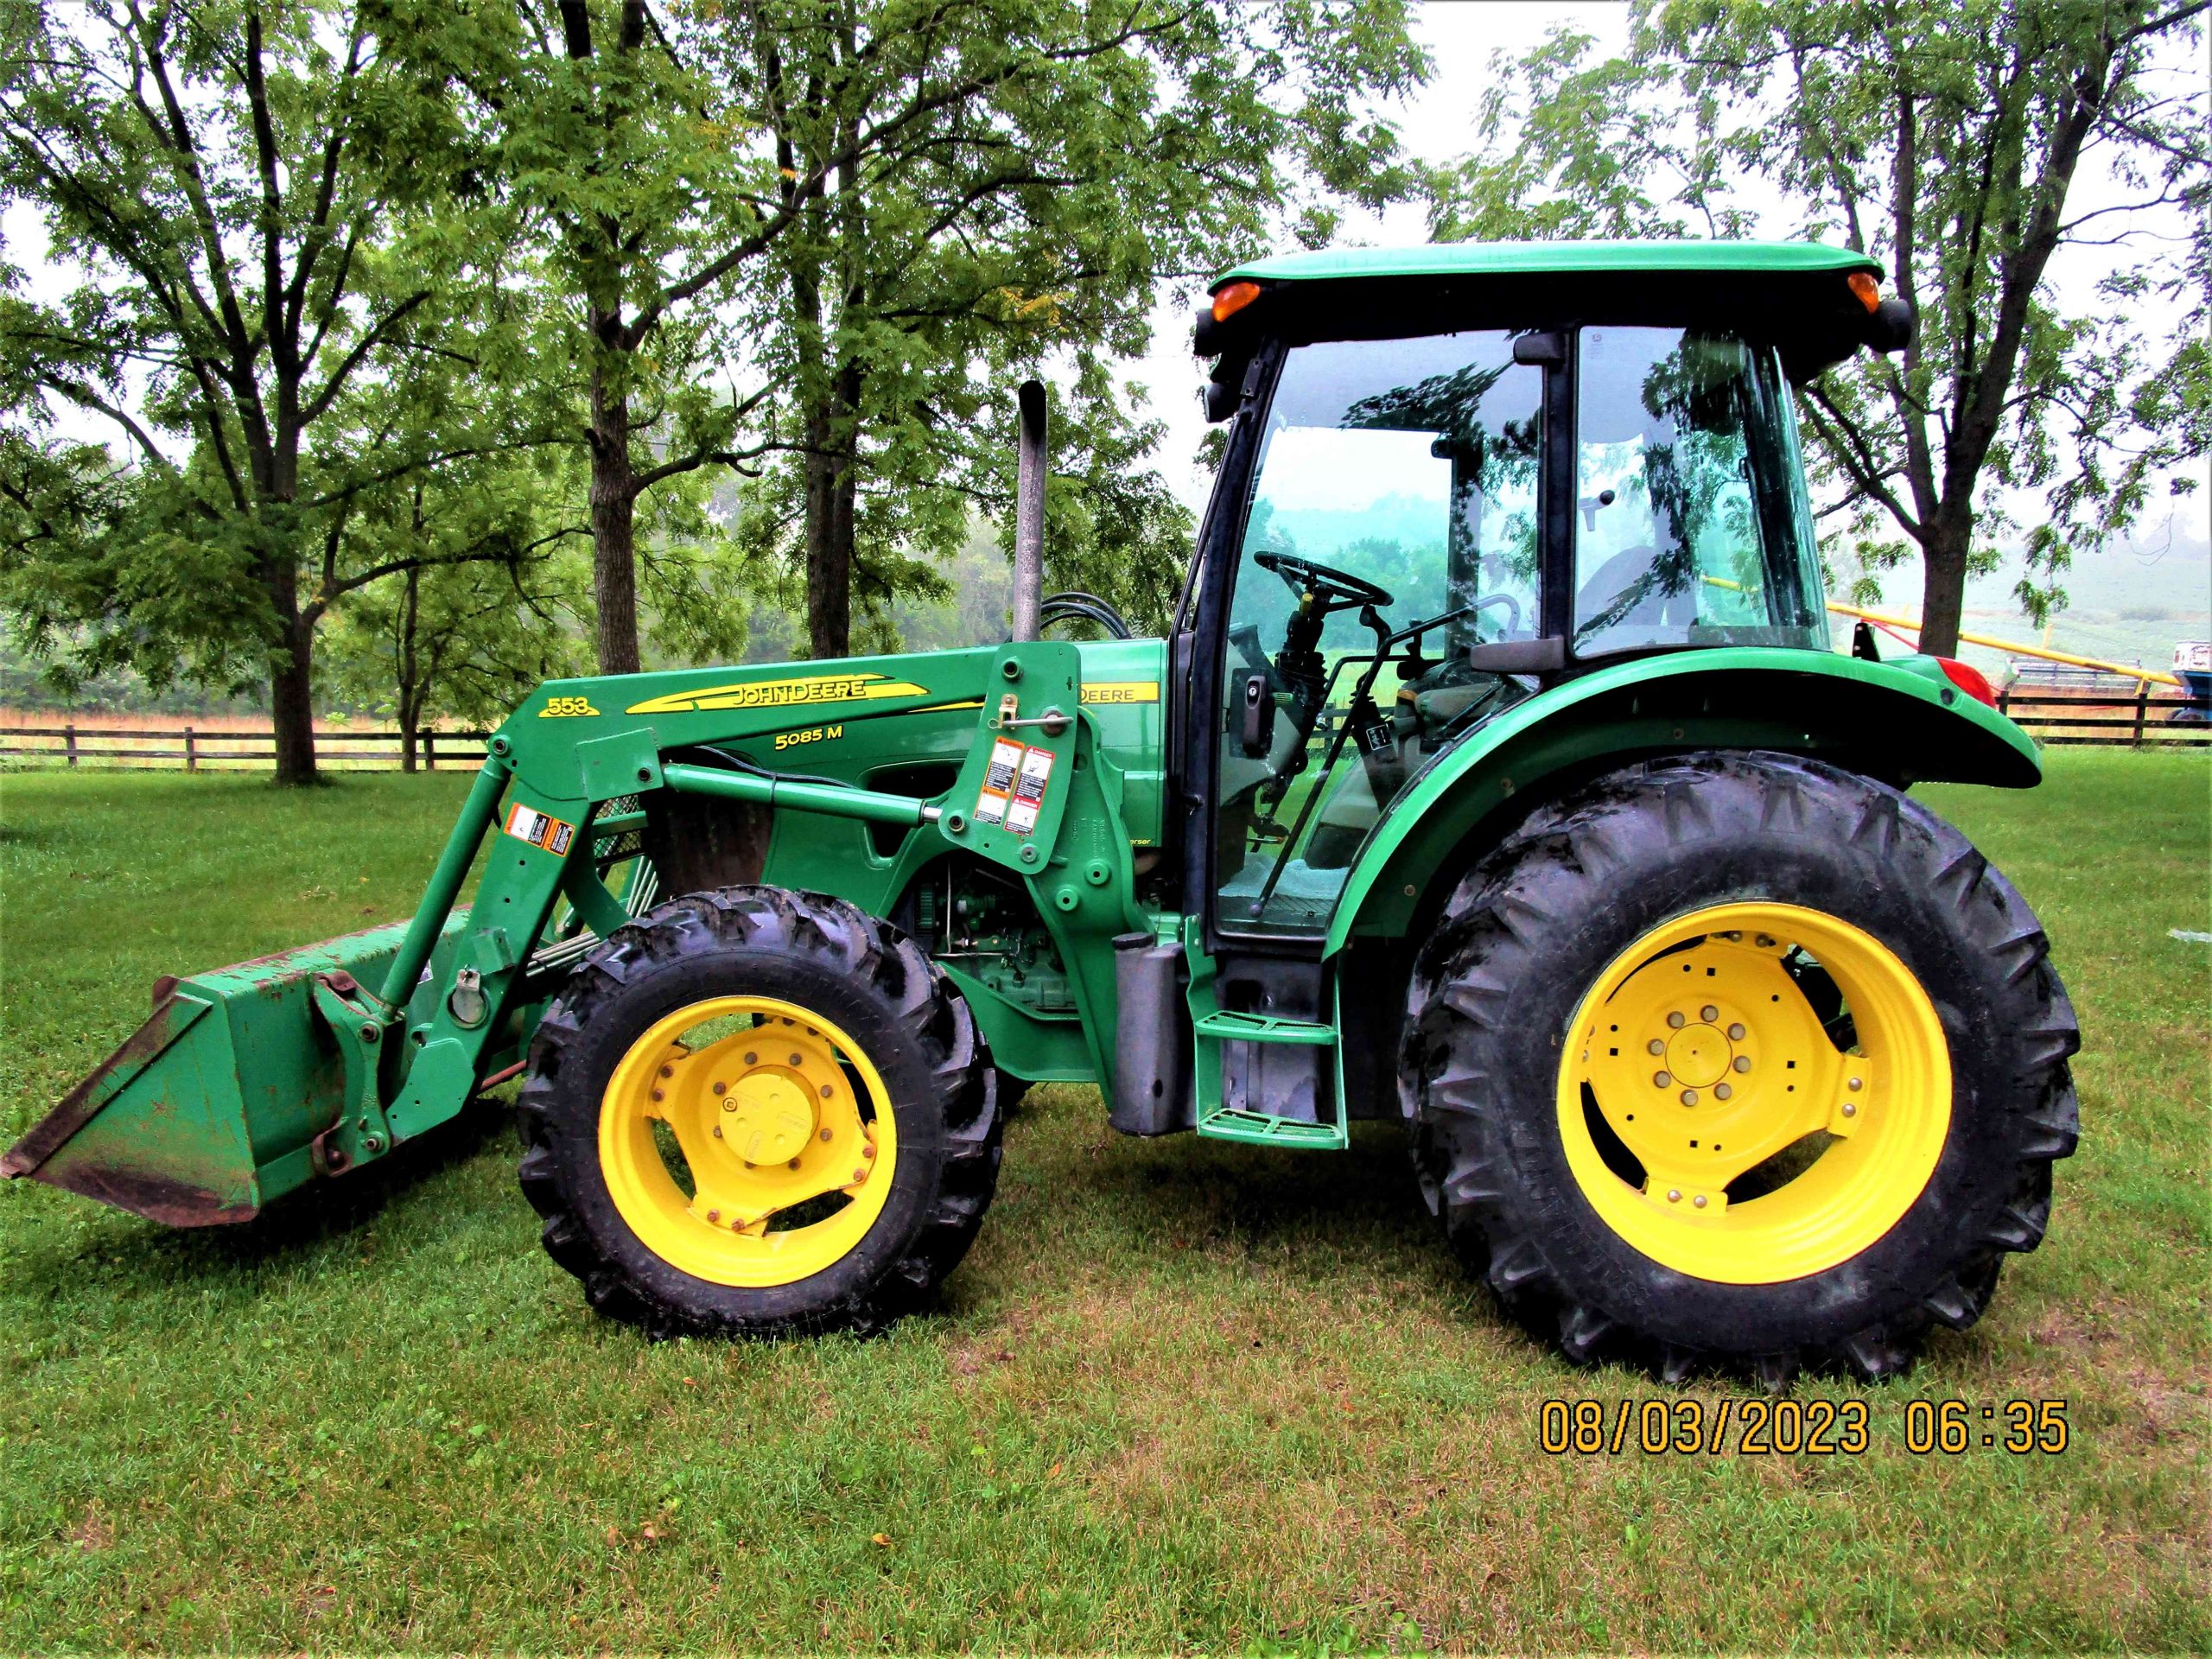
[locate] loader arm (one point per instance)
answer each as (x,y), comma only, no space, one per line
(320,1061)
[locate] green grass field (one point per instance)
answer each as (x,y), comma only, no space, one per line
(1181,1396)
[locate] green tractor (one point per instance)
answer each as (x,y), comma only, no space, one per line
(1496,778)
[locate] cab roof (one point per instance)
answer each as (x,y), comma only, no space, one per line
(1541,259)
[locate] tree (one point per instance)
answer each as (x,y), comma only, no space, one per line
(239,193)
(625,166)
(1949,141)
(487,605)
(1056,164)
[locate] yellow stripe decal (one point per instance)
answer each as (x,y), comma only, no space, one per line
(1096,692)
(780,693)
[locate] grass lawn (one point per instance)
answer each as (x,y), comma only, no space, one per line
(1182,1394)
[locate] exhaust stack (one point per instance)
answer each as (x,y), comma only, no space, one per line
(1029,512)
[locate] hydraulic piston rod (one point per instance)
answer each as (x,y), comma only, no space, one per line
(865,803)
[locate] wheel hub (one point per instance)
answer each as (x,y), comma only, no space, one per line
(1698,1056)
(771,1118)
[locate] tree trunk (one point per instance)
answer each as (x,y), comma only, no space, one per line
(828,561)
(833,636)
(1943,593)
(291,707)
(614,534)
(409,699)
(291,684)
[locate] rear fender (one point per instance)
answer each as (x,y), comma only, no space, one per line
(1901,721)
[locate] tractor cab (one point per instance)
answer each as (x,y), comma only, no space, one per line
(1449,484)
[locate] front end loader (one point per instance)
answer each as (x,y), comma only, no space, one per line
(1496,778)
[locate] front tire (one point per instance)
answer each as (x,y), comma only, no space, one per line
(1739,1062)
(758,1112)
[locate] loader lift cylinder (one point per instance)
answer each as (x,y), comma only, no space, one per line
(476,814)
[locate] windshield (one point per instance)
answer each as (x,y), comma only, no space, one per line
(1690,525)
(1396,485)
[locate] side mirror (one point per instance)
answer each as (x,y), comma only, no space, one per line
(1255,706)
(1892,326)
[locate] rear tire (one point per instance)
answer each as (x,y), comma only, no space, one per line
(1527,1060)
(839,1040)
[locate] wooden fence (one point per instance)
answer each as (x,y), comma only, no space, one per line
(70,745)
(2133,720)
(2139,721)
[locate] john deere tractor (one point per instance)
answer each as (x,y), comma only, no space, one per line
(1496,778)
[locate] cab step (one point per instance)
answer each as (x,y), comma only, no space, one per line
(1259,1130)
(1224,1027)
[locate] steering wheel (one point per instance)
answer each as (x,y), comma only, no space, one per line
(1323,581)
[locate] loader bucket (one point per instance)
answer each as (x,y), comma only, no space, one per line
(211,1109)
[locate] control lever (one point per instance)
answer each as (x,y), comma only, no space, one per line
(1052,721)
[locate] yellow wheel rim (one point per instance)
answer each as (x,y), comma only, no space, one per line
(775,1115)
(1699,1057)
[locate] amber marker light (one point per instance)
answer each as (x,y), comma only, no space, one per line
(1865,284)
(1233,299)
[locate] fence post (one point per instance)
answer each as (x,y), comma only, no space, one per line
(429,750)
(2142,708)
(70,735)
(191,759)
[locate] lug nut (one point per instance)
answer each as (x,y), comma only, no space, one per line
(1660,1079)
(1673,1195)
(1765,941)
(658,1095)
(753,1059)
(1851,1109)
(825,1134)
(1736,1032)
(868,1151)
(1708,1014)
(825,1095)
(1855,1085)
(794,1060)
(1677,1021)
(722,1087)
(1721,1091)
(1690,1096)
(794,1163)
(1699,1201)
(860,1175)
(668,1070)
(718,1131)
(713,1215)
(1656,1046)
(1743,1062)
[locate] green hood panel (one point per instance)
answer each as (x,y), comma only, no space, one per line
(1889,720)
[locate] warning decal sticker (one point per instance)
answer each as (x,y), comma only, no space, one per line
(1029,791)
(528,823)
(999,780)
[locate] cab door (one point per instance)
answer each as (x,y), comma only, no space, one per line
(1392,522)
